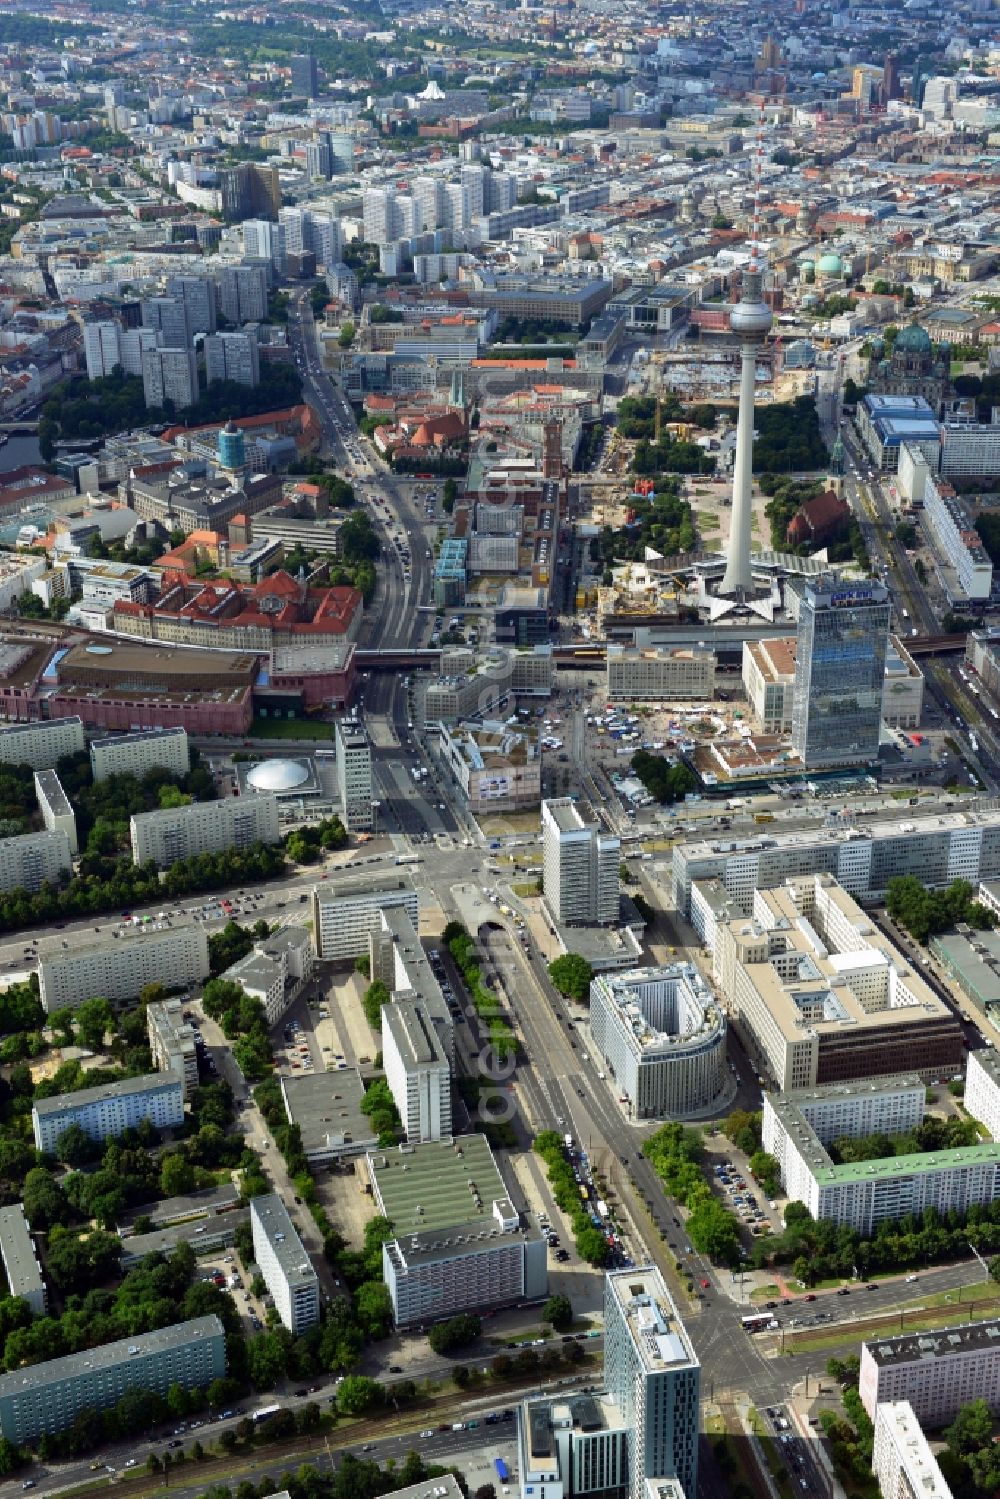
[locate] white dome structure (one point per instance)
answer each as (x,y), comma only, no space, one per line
(278,775)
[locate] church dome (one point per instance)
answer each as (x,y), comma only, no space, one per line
(831,264)
(913,340)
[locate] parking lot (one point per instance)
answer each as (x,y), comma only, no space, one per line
(225,1270)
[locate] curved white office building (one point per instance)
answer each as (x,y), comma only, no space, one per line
(662,1035)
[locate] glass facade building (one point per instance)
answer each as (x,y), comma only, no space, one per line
(843,635)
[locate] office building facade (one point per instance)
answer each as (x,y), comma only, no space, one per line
(937,1371)
(580,865)
(417,1070)
(275,970)
(172,1043)
(107,1111)
(284,1264)
(346,911)
(662,1035)
(20,1260)
(120,970)
(31,860)
(863,859)
(660,674)
(354,775)
(134,754)
(50,1397)
(41,744)
(843,633)
(169,374)
(174,833)
(654,1375)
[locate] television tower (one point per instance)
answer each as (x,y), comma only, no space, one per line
(751,319)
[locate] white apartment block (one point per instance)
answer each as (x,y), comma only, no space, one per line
(580,867)
(134,754)
(41,744)
(232,356)
(937,1372)
(120,970)
(354,775)
(284,1264)
(396,957)
(938,848)
(54,805)
(962,562)
(20,1260)
(662,1035)
(982,1089)
(345,911)
(49,1397)
(32,860)
(171,1041)
(109,1110)
(417,1070)
(276,970)
(902,1460)
(768,672)
(660,674)
(204,827)
(864,1194)
(651,1369)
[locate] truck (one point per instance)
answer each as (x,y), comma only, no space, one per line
(602,1208)
(503,1473)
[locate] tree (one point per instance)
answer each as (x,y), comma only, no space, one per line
(571,974)
(457,1332)
(346,336)
(76,1148)
(61,1025)
(357,1394)
(591,1245)
(176,1175)
(375,996)
(995,1268)
(94,1018)
(766,1169)
(558,1311)
(971,1429)
(373,1306)
(267,1357)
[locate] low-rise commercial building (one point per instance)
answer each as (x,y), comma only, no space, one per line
(819,995)
(54,805)
(172,1043)
(326,1106)
(497,768)
(572,1444)
(135,754)
(174,833)
(20,1261)
(937,1372)
(660,673)
(49,1397)
(902,1461)
(31,860)
(938,848)
(275,970)
(284,1264)
(662,1035)
(41,744)
(459,1244)
(109,1110)
(204,1236)
(345,911)
(417,1070)
(864,1194)
(120,970)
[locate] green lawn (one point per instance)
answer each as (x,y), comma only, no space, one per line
(291,728)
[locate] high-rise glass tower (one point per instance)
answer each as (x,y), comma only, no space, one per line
(840,672)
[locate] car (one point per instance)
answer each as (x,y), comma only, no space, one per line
(300,1394)
(395,1368)
(843,1291)
(910,1280)
(428,1433)
(811,1296)
(705,1285)
(29,1483)
(769,1306)
(368,1447)
(872,1285)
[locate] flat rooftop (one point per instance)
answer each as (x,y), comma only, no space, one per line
(565,814)
(150,1082)
(409,1023)
(222,668)
(913,826)
(18,1252)
(108,1355)
(944,1342)
(655,1328)
(272,1215)
(137,737)
(361,885)
(437,1185)
(327,1108)
(49,785)
(201,1233)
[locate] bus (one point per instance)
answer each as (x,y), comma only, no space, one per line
(264,1414)
(763,817)
(758,1322)
(503,1472)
